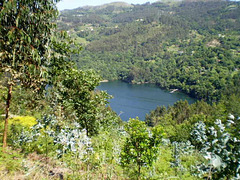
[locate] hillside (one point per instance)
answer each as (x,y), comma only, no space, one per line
(54,124)
(190,45)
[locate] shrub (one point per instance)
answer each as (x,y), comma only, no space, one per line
(220,149)
(26,121)
(141,145)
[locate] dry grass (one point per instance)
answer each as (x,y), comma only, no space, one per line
(32,167)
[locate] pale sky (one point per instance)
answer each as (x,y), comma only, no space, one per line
(72,4)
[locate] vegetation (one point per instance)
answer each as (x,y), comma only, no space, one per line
(140,147)
(59,127)
(189,45)
(28,49)
(178,120)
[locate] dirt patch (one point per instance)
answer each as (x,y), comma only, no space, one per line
(213,43)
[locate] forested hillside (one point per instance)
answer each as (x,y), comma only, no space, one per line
(54,124)
(190,45)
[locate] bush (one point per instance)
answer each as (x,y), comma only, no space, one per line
(26,121)
(141,145)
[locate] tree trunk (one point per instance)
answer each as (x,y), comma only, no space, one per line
(139,171)
(139,164)
(9,97)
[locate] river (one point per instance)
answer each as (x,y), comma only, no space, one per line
(131,100)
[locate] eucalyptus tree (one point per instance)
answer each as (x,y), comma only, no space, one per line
(30,51)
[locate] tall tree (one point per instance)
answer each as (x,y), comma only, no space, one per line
(30,53)
(77,92)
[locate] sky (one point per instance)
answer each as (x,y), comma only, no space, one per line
(72,4)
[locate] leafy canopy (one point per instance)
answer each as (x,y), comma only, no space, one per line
(29,48)
(141,145)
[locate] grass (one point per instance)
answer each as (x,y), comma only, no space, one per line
(14,165)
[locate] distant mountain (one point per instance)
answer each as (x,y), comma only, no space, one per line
(113,4)
(116,4)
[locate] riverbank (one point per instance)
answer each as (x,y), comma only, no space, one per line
(104,81)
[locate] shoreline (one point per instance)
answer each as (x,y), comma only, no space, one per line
(105,80)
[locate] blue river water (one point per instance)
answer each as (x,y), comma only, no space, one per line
(131,100)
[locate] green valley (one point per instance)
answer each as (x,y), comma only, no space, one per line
(193,46)
(56,124)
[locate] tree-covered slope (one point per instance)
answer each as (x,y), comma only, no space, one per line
(57,126)
(190,45)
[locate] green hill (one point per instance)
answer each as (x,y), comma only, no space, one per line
(189,45)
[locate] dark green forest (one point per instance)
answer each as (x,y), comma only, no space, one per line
(54,124)
(189,45)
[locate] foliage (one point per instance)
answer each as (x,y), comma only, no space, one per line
(107,150)
(21,121)
(37,138)
(75,141)
(189,45)
(31,55)
(102,154)
(192,46)
(179,119)
(25,47)
(46,136)
(77,93)
(141,146)
(27,121)
(219,148)
(184,156)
